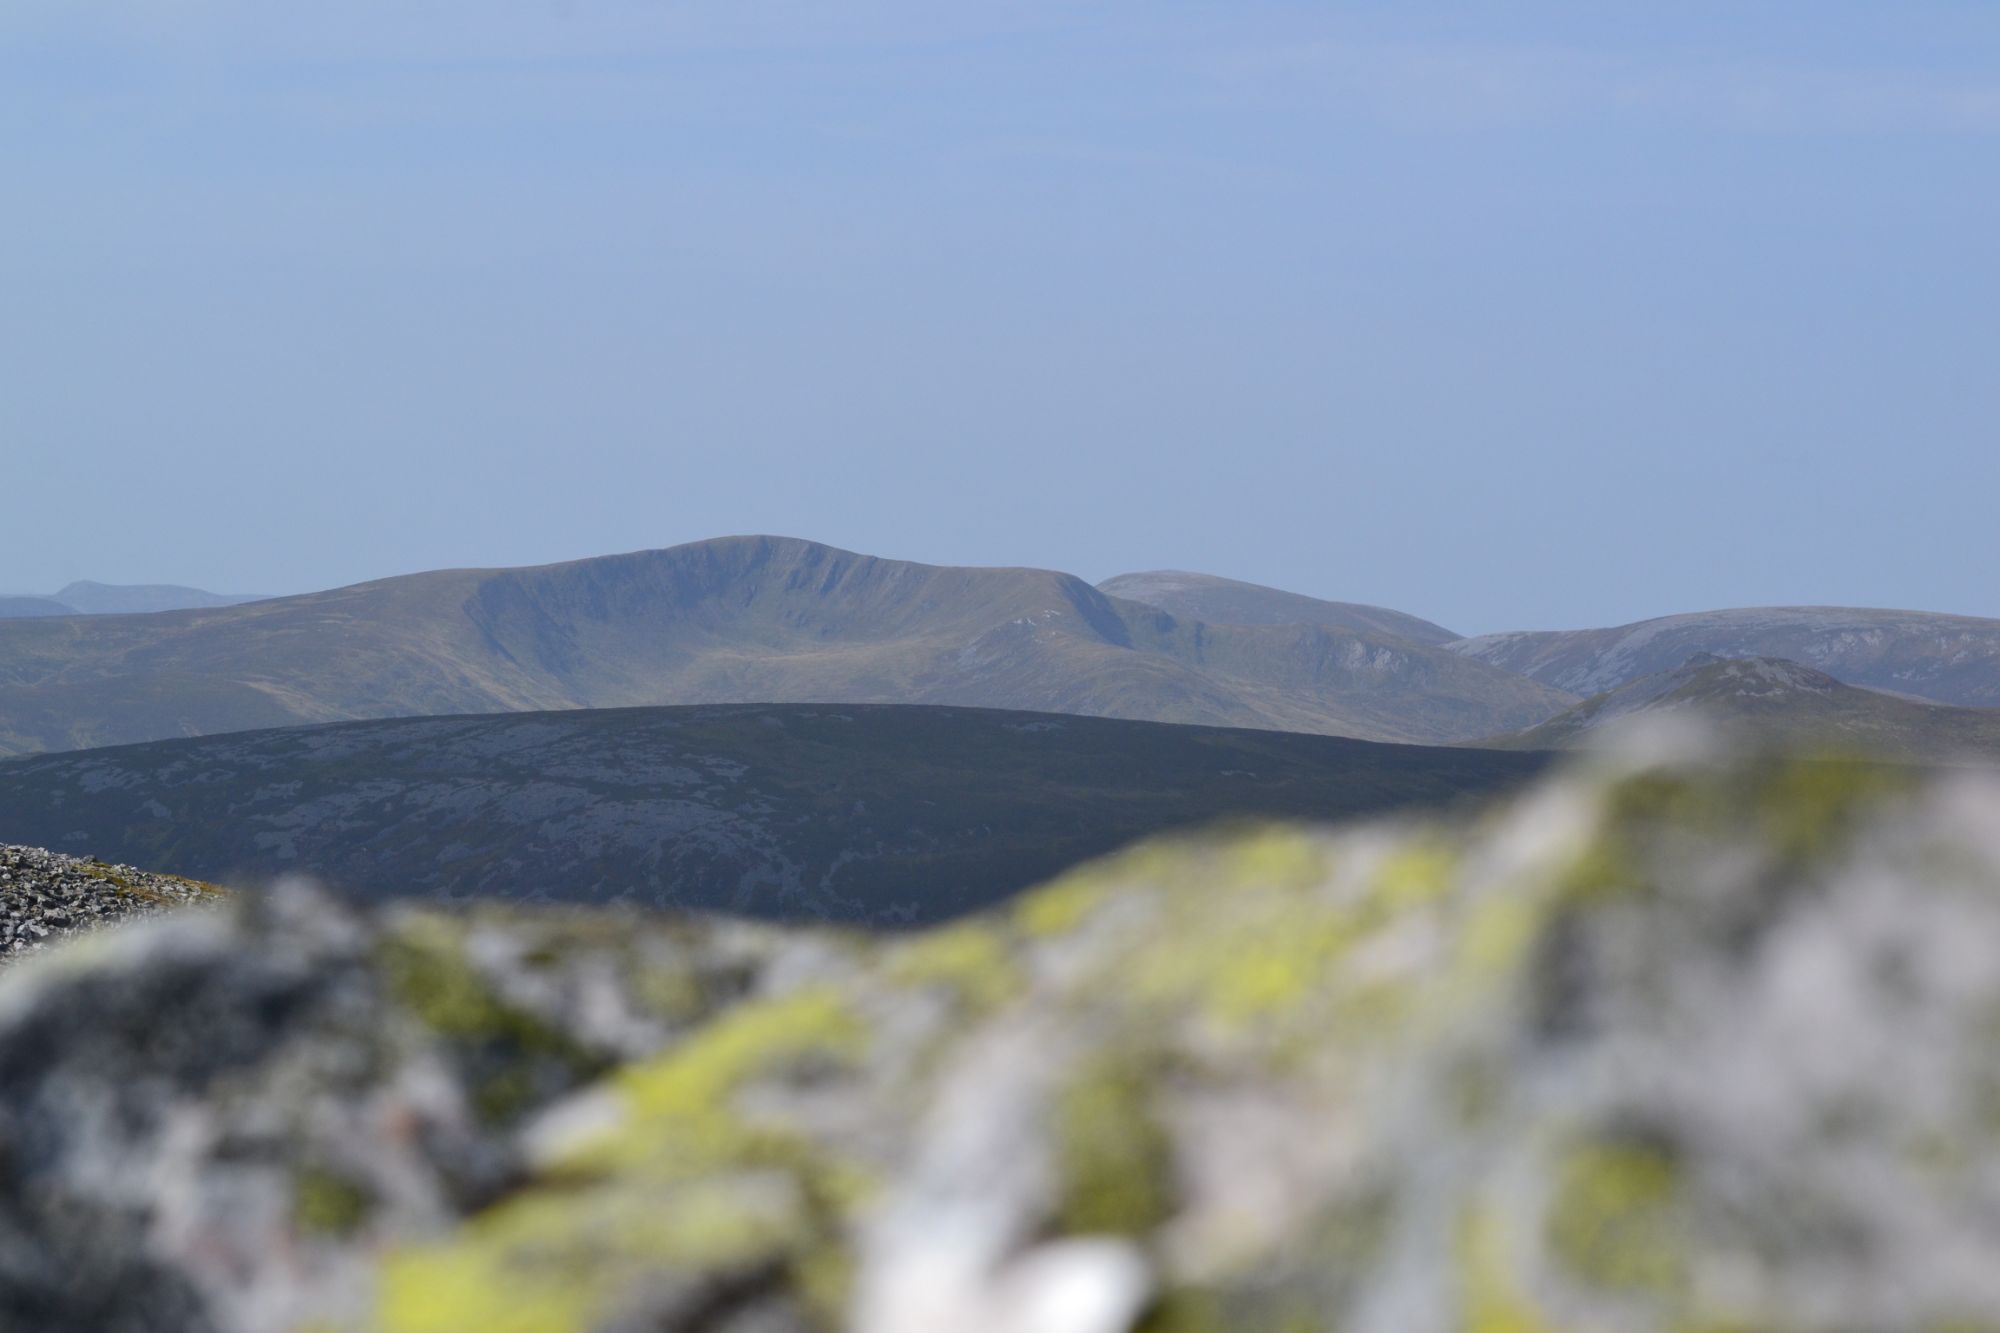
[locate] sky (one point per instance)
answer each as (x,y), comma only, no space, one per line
(1526,316)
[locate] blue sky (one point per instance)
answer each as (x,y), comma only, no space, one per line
(1512,316)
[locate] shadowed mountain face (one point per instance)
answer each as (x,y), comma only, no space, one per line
(856,813)
(1950,659)
(1769,700)
(1221,601)
(751,619)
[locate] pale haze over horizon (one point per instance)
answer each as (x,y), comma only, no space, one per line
(1539,316)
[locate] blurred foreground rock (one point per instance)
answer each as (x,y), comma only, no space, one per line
(1665,1046)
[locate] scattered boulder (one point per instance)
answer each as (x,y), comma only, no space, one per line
(1667,1044)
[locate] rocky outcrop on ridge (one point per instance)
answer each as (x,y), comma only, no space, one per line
(45,896)
(1663,1045)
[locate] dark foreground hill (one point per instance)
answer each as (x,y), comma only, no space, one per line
(736,620)
(1947,659)
(1654,1050)
(1774,702)
(854,813)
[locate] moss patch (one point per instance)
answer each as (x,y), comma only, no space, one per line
(972,960)
(1114,1157)
(1491,1300)
(1611,1223)
(326,1203)
(512,1058)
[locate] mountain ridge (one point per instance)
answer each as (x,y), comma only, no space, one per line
(1223,601)
(731,620)
(1950,659)
(1772,701)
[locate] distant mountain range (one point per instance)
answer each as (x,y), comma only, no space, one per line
(1772,701)
(780,620)
(1949,659)
(853,812)
(11,607)
(736,620)
(112,599)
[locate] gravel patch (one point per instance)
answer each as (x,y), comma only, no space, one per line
(46,896)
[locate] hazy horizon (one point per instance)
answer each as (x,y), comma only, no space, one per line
(1091,578)
(1538,319)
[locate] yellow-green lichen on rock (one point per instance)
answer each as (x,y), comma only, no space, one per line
(682,1189)
(1496,1041)
(1672,1045)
